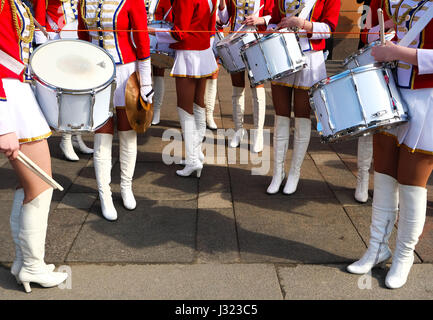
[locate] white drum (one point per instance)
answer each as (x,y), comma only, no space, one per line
(218,37)
(363,57)
(74,84)
(161,53)
(272,57)
(229,50)
(358,102)
(69,31)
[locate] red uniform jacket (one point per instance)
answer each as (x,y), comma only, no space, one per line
(161,10)
(190,16)
(265,11)
(408,77)
(9,43)
(61,12)
(116,15)
(326,11)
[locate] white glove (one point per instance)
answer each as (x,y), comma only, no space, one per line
(40,37)
(144,68)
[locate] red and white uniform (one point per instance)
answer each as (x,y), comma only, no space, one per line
(19,110)
(324,16)
(158,9)
(236,11)
(416,82)
(101,18)
(194,55)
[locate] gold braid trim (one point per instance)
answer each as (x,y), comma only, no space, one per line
(1,8)
(281,4)
(17,26)
(89,22)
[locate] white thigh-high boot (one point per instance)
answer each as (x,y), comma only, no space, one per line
(67,148)
(259,113)
(193,164)
(281,144)
(15,229)
(77,142)
(102,163)
(383,218)
(159,88)
(238,100)
(209,100)
(300,146)
(127,159)
(413,206)
(33,229)
(365,155)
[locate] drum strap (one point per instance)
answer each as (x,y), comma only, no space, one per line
(10,63)
(306,11)
(417,28)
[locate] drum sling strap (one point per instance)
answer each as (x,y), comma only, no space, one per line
(10,63)
(415,30)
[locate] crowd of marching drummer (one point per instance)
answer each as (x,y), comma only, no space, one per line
(192,31)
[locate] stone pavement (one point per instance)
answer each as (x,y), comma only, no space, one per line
(218,237)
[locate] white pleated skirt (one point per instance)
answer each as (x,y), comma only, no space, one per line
(194,64)
(306,78)
(29,120)
(417,134)
(123,72)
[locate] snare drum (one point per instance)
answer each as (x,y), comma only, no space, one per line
(229,50)
(216,39)
(358,102)
(74,84)
(272,57)
(161,53)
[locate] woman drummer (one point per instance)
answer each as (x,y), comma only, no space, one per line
(403,158)
(239,12)
(195,61)
(321,21)
(158,10)
(23,127)
(102,19)
(55,15)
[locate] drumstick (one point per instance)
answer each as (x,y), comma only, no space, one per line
(242,26)
(38,171)
(41,28)
(382,26)
(168,12)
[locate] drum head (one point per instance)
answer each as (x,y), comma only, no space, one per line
(72,65)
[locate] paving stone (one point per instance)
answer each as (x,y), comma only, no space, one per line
(214,178)
(161,282)
(424,248)
(7,248)
(77,201)
(334,283)
(157,231)
(296,231)
(216,236)
(210,200)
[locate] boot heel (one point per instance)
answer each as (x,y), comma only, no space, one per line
(27,287)
(18,280)
(199,173)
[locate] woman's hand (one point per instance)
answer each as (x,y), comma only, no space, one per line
(253,21)
(291,22)
(9,145)
(151,31)
(391,52)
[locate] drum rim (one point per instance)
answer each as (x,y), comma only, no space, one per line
(53,87)
(261,39)
(161,22)
(341,75)
(235,39)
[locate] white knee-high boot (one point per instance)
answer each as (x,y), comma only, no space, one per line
(383,218)
(209,100)
(15,229)
(259,113)
(281,144)
(365,155)
(238,100)
(102,164)
(200,124)
(67,148)
(127,159)
(33,229)
(191,136)
(159,88)
(77,142)
(301,142)
(413,206)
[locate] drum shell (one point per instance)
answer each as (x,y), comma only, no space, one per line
(161,48)
(229,51)
(358,102)
(263,57)
(73,111)
(218,37)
